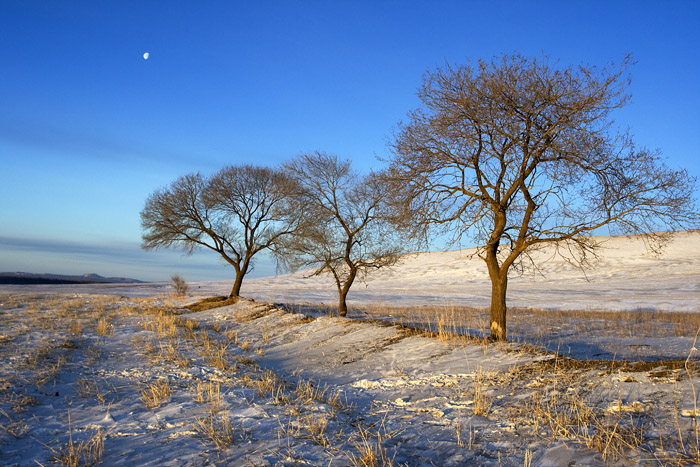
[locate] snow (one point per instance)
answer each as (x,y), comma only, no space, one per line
(293,389)
(619,281)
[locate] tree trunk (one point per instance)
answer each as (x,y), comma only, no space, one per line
(343,291)
(342,305)
(240,274)
(499,285)
(236,291)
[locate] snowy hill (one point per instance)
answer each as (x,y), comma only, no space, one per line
(626,277)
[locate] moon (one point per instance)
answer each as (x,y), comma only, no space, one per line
(146,55)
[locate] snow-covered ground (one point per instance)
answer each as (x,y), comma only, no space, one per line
(254,384)
(626,277)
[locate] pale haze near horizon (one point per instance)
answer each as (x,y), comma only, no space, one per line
(89,128)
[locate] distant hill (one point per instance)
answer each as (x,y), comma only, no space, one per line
(30,278)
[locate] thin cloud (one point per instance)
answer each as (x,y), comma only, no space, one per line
(49,138)
(112,259)
(70,248)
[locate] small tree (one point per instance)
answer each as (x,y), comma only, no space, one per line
(238,212)
(518,154)
(179,285)
(344,232)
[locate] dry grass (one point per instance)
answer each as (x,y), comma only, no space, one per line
(559,407)
(146,344)
(21,402)
(247,361)
(266,384)
(89,388)
(155,393)
(265,334)
(449,321)
(104,327)
(371,452)
(232,336)
(46,360)
(214,352)
(311,426)
(481,404)
(555,411)
(76,327)
(165,352)
(166,326)
(219,430)
(574,419)
(460,441)
(208,393)
(217,357)
(211,303)
(316,424)
(15,428)
(204,341)
(189,327)
(82,453)
(308,392)
(693,449)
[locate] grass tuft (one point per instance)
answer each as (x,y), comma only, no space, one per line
(219,430)
(82,453)
(155,393)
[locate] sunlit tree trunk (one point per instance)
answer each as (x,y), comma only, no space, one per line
(236,290)
(343,292)
(498,273)
(240,274)
(342,305)
(499,285)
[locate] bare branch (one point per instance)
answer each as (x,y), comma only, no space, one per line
(518,153)
(345,232)
(237,213)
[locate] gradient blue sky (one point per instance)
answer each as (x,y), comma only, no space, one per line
(88,128)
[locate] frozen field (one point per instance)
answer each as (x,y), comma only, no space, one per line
(626,277)
(129,376)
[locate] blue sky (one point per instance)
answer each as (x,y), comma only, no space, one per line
(88,128)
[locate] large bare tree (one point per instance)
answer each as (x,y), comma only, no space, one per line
(518,153)
(237,213)
(344,233)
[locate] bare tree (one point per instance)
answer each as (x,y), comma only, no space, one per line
(519,153)
(179,284)
(344,233)
(238,212)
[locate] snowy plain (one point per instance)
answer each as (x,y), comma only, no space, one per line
(260,384)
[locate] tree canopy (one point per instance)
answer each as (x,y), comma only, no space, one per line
(238,212)
(517,153)
(345,232)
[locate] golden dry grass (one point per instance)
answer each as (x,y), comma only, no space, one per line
(208,392)
(82,453)
(104,327)
(556,413)
(154,394)
(371,450)
(219,430)
(212,302)
(535,324)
